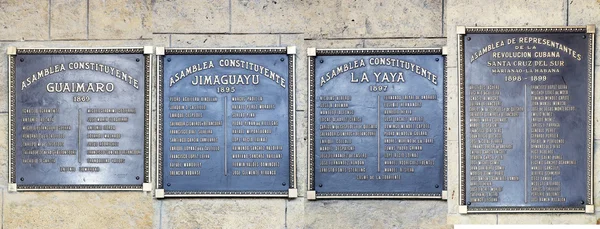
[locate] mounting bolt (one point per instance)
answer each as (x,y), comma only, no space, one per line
(320,185)
(437,59)
(468,203)
(168,184)
(468,38)
(321,61)
(282,59)
(137,177)
(22,59)
(22,179)
(168,59)
(437,186)
(137,59)
(584,36)
(283,184)
(582,202)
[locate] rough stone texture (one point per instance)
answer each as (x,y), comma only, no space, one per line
(546,219)
(301,152)
(191,16)
(343,18)
(295,216)
(301,67)
(24,20)
(223,213)
(120,19)
(454,219)
(453,103)
(500,13)
(220,41)
(596,107)
(4,150)
(596,181)
(375,214)
(405,43)
(453,179)
(585,12)
(77,209)
(68,19)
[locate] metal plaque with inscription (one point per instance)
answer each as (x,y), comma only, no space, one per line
(79,118)
(377,123)
(226,122)
(526,113)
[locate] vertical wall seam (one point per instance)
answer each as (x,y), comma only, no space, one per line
(567,10)
(2,226)
(286,214)
(170,44)
(279,39)
(49,19)
(230,17)
(160,217)
(443,15)
(87,26)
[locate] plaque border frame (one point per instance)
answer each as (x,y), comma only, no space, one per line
(12,52)
(290,51)
(312,53)
(462,31)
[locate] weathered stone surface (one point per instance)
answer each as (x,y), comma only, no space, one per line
(24,20)
(596,181)
(120,19)
(68,19)
(163,40)
(301,152)
(585,12)
(190,16)
(78,210)
(453,177)
(223,213)
(597,107)
(454,219)
(375,214)
(295,215)
(339,18)
(500,13)
(546,219)
(218,41)
(405,43)
(4,150)
(453,109)
(301,72)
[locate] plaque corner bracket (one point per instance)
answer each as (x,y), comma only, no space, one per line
(148,50)
(160,51)
(311,51)
(292,193)
(462,209)
(461,30)
(589,209)
(311,195)
(159,193)
(291,50)
(12,187)
(147,187)
(591,28)
(11,51)
(444,50)
(444,195)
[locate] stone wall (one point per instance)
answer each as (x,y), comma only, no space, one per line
(259,23)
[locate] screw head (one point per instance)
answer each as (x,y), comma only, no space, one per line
(468,203)
(320,185)
(584,36)
(283,184)
(168,59)
(22,59)
(582,202)
(22,179)
(282,59)
(137,177)
(468,38)
(168,184)
(137,59)
(321,61)
(437,59)
(437,186)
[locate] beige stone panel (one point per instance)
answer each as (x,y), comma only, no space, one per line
(163,40)
(221,41)
(596,175)
(295,215)
(24,20)
(120,19)
(453,177)
(68,19)
(266,16)
(375,214)
(546,219)
(4,150)
(191,16)
(223,213)
(405,43)
(301,153)
(334,44)
(301,67)
(454,219)
(585,12)
(78,210)
(55,44)
(396,18)
(453,107)
(500,13)
(596,106)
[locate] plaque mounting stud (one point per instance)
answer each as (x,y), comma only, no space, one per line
(444,195)
(11,51)
(589,208)
(292,193)
(12,187)
(311,195)
(291,50)
(159,193)
(591,29)
(461,29)
(462,209)
(148,50)
(445,51)
(146,187)
(311,52)
(160,51)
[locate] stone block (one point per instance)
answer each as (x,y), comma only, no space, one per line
(221,41)
(454,219)
(265,16)
(120,19)
(191,16)
(223,213)
(546,218)
(301,67)
(405,43)
(68,19)
(295,215)
(585,12)
(453,177)
(78,210)
(375,214)
(24,20)
(301,153)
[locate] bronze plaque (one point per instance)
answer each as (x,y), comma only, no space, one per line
(526,99)
(377,123)
(79,119)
